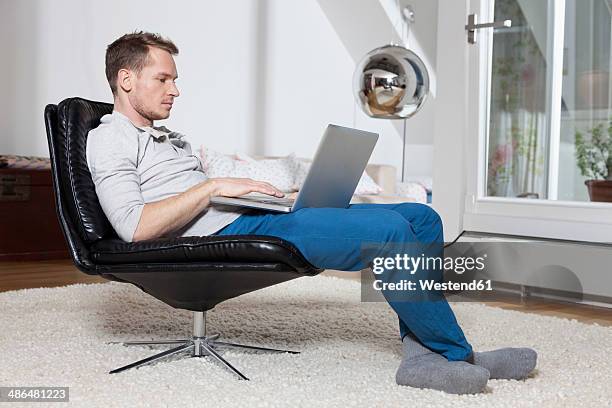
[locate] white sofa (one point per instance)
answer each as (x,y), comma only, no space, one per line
(384,175)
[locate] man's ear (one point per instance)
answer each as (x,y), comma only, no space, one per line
(124,79)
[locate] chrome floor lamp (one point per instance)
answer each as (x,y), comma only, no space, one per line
(392,82)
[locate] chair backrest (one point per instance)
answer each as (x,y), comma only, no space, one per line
(79,210)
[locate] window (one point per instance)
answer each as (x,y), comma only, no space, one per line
(550,81)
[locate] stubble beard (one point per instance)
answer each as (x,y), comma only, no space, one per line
(147,113)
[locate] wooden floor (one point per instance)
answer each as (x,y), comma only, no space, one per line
(37,274)
(20,275)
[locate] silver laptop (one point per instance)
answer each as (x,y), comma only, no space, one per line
(336,169)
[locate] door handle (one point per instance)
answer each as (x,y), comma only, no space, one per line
(473,25)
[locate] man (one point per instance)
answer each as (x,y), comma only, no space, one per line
(151,185)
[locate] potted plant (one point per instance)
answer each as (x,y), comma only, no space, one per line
(594,158)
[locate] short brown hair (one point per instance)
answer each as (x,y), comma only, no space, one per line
(132,51)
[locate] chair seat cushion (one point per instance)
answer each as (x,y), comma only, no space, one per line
(243,249)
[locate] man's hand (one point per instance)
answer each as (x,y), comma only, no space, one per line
(234,187)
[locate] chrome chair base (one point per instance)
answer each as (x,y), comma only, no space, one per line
(200,345)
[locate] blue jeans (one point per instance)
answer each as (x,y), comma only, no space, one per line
(333,238)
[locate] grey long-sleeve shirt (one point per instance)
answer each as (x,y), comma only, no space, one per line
(132,166)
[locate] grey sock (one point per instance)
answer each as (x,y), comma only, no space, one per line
(507,363)
(423,368)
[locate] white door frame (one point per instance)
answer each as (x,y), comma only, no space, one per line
(450,127)
(459,146)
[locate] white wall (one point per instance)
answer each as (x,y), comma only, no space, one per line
(58,51)
(263,77)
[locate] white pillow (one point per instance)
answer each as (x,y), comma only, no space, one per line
(412,190)
(286,173)
(365,186)
(278,172)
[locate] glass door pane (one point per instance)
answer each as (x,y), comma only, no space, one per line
(518,136)
(586,97)
(521,148)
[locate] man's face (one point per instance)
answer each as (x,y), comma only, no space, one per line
(153,89)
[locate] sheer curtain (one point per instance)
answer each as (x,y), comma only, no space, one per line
(516,165)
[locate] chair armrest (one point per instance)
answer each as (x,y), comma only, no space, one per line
(219,249)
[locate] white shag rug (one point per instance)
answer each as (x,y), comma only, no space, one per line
(350,350)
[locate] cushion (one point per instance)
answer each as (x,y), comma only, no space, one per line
(24,162)
(412,190)
(286,173)
(278,172)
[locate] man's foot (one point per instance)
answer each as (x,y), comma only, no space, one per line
(507,363)
(423,368)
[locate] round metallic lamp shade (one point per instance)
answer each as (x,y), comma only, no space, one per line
(391,82)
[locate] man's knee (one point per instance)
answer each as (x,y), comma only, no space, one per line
(427,219)
(433,217)
(393,227)
(436,225)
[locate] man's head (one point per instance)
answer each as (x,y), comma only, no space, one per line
(141,73)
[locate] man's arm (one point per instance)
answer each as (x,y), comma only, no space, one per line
(161,217)
(111,158)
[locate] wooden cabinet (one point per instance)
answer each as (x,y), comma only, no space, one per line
(29,227)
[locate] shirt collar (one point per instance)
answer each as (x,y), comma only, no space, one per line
(120,116)
(158,133)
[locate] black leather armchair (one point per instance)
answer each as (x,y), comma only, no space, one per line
(193,273)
